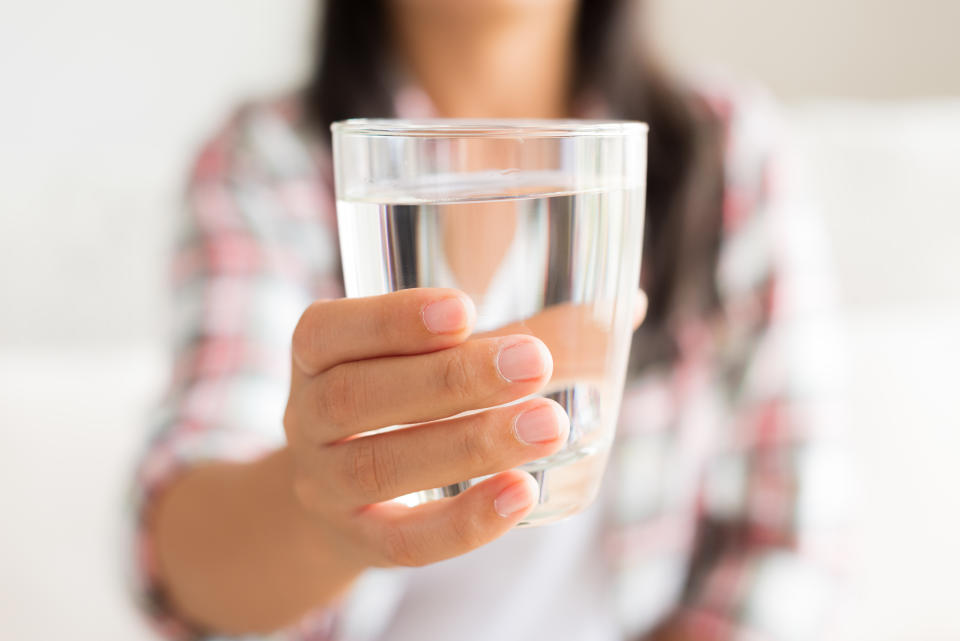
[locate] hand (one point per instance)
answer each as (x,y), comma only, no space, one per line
(403,358)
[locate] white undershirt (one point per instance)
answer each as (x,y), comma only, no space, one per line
(547,582)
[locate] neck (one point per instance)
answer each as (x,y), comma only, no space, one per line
(508,64)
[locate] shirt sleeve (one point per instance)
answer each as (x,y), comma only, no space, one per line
(768,552)
(256,246)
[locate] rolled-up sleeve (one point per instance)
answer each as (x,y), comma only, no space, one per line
(256,246)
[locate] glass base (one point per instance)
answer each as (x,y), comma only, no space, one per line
(567,486)
(568,483)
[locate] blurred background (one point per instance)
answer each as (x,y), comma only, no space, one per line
(103,102)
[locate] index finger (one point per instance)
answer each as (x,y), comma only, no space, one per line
(410,321)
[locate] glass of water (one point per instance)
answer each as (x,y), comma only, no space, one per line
(540,222)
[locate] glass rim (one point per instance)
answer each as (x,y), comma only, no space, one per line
(485,127)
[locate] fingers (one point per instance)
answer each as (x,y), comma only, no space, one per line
(366,395)
(410,321)
(383,466)
(449,527)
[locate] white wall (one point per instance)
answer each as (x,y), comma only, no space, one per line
(102,102)
(886,177)
(803,48)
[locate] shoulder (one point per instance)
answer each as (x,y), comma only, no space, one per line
(763,200)
(755,138)
(262,174)
(749,111)
(266,138)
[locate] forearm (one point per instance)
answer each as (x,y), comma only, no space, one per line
(236,552)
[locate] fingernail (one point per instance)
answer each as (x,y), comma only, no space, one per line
(445,316)
(522,361)
(513,499)
(538,425)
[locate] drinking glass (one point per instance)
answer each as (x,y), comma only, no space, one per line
(540,222)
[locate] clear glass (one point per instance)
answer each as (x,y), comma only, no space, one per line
(540,223)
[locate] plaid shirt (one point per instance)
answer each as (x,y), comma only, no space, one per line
(723,477)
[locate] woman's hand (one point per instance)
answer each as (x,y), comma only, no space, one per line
(251,547)
(403,358)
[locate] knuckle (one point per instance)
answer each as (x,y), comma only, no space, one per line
(309,494)
(290,423)
(456,376)
(306,336)
(387,320)
(311,483)
(398,549)
(370,469)
(337,402)
(477,442)
(468,532)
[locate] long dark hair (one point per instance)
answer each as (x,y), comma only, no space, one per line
(352,78)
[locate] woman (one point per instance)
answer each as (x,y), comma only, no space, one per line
(256,520)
